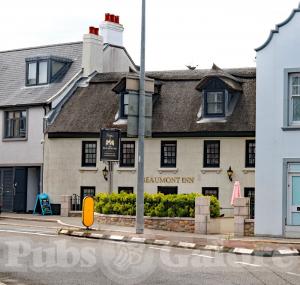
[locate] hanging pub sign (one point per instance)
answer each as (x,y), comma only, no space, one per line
(109,144)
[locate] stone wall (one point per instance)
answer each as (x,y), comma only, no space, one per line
(165,224)
(249,227)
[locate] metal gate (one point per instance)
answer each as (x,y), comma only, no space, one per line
(250,192)
(7,189)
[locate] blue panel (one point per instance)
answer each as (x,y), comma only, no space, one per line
(296,190)
(296,219)
(294,167)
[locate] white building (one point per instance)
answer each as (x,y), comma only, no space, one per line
(199,124)
(34,83)
(278,131)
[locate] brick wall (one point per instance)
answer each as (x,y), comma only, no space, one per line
(165,224)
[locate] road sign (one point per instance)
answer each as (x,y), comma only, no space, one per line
(88,211)
(109,144)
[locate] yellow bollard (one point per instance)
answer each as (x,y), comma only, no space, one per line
(88,212)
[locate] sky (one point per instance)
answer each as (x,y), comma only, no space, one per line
(178,33)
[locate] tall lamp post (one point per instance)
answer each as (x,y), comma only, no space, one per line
(141,132)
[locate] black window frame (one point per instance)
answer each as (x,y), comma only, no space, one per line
(122,107)
(212,115)
(123,160)
(160,188)
(205,158)
(83,154)
(50,78)
(37,61)
(163,154)
(210,189)
(25,124)
(82,189)
(126,189)
(248,159)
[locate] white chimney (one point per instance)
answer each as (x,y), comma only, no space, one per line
(92,53)
(112,30)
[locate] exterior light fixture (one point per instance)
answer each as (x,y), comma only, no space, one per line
(230,173)
(105,173)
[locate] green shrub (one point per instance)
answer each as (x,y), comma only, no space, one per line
(156,205)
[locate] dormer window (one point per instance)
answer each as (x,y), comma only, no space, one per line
(214,104)
(45,70)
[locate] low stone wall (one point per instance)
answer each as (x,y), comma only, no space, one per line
(165,224)
(249,227)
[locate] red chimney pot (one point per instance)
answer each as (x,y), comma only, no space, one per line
(96,31)
(112,18)
(107,17)
(117,19)
(91,30)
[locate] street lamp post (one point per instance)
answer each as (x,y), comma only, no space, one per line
(141,131)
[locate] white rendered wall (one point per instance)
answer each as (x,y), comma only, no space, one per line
(116,60)
(272,143)
(63,174)
(28,152)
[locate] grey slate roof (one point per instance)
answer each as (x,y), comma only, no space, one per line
(12,73)
(175,110)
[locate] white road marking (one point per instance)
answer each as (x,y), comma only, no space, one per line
(243,250)
(213,247)
(160,248)
(295,274)
(202,255)
(288,251)
(186,244)
(249,264)
(29,233)
(137,239)
(115,237)
(162,242)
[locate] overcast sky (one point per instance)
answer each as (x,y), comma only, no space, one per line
(178,32)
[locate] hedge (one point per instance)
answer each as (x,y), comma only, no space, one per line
(156,205)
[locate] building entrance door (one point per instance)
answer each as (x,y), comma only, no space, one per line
(7,189)
(293,199)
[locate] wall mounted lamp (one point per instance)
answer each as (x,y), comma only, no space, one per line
(105,173)
(230,173)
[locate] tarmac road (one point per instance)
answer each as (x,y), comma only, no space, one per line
(33,254)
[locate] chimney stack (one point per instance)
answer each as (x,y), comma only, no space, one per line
(92,53)
(112,30)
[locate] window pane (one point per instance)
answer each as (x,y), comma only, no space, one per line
(214,103)
(125,98)
(56,67)
(15,124)
(43,72)
(31,73)
(296,108)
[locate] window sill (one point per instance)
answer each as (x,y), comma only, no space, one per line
(212,120)
(168,169)
(248,170)
(86,168)
(217,170)
(14,139)
(126,169)
(291,128)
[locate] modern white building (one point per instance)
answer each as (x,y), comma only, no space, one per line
(278,131)
(34,83)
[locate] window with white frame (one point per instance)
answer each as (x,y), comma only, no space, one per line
(214,103)
(294,98)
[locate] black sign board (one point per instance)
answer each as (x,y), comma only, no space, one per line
(109,144)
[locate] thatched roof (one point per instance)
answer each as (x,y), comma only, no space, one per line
(175,109)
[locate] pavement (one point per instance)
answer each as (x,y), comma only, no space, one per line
(257,246)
